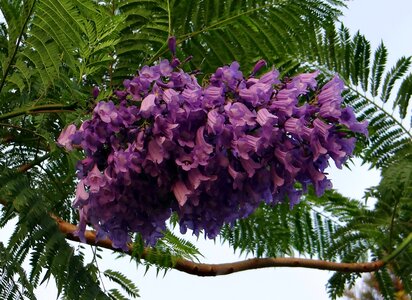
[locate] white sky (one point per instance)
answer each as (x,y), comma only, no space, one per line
(377,19)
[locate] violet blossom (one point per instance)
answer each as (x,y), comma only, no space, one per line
(211,154)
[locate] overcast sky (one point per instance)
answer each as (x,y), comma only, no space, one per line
(390,21)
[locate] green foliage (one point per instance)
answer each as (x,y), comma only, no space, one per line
(165,253)
(9,271)
(124,282)
(37,239)
(53,52)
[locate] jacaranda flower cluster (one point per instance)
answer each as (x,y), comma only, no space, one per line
(210,153)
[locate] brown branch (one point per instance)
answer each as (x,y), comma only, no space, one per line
(47,108)
(28,166)
(201,269)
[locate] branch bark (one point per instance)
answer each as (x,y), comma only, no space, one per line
(48,108)
(201,269)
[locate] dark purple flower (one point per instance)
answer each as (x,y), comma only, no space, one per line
(348,119)
(246,145)
(95,92)
(259,65)
(171,43)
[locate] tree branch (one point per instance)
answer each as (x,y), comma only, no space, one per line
(48,108)
(24,168)
(201,269)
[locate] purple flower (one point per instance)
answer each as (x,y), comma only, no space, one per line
(259,65)
(218,150)
(258,94)
(121,161)
(239,114)
(66,137)
(232,73)
(304,82)
(264,117)
(250,166)
(95,180)
(213,96)
(148,75)
(81,195)
(156,153)
(171,43)
(181,192)
(106,111)
(107,194)
(330,98)
(147,106)
(270,77)
(246,145)
(196,178)
(95,92)
(90,141)
(284,102)
(215,122)
(165,68)
(287,161)
(295,126)
(238,178)
(348,119)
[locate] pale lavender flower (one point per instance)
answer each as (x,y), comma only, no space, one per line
(239,114)
(106,111)
(66,137)
(81,195)
(304,82)
(147,106)
(95,180)
(181,192)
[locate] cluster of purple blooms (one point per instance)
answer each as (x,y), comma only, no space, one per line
(211,153)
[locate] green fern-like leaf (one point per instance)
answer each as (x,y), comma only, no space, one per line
(403,96)
(395,73)
(124,282)
(378,68)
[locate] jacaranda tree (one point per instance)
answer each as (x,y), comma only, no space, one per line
(123,119)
